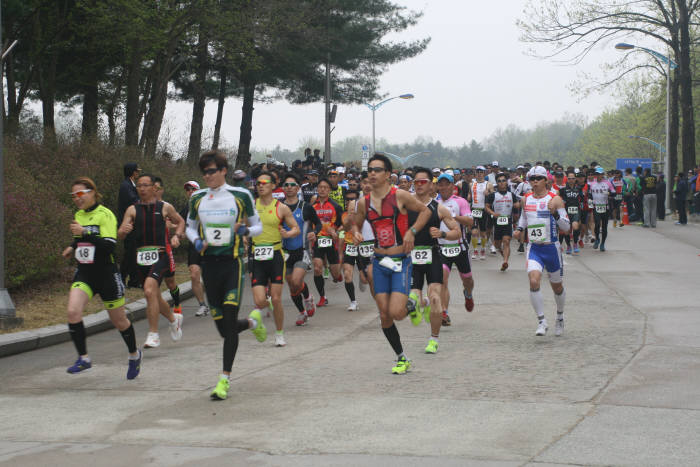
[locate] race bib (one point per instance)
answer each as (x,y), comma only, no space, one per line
(618,197)
(537,233)
(502,220)
(147,255)
(85,253)
(477,213)
(590,204)
(451,250)
(601,208)
(218,234)
(325,242)
(263,252)
(392,264)
(573,210)
(350,249)
(366,249)
(422,255)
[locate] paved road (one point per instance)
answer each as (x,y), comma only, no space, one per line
(621,387)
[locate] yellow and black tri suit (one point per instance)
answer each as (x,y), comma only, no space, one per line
(268,260)
(97,272)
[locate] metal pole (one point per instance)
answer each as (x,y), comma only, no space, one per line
(667,165)
(327,152)
(374,148)
(7,308)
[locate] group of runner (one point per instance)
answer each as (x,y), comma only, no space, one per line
(403,241)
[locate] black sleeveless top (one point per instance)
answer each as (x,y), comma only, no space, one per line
(423,237)
(149,225)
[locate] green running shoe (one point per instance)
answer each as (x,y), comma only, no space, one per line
(221,390)
(413,311)
(432,346)
(426,312)
(402,366)
(259,331)
(326,273)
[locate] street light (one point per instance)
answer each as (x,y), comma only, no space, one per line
(374,107)
(670,65)
(403,160)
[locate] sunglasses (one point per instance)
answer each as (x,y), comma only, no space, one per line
(503,180)
(375,169)
(289,184)
(537,178)
(210,171)
(420,181)
(262,182)
(80,193)
(190,188)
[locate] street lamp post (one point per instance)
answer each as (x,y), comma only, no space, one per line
(403,160)
(662,150)
(374,107)
(670,65)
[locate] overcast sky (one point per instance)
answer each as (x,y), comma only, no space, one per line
(473,78)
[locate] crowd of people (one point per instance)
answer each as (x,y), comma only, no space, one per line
(402,230)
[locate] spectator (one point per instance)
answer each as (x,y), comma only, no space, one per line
(696,190)
(649,183)
(681,192)
(661,198)
(128,196)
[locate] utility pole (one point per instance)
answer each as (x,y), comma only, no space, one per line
(327,128)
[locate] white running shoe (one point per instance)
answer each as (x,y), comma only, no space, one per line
(493,250)
(203,311)
(279,340)
(353,306)
(152,341)
(176,327)
(475,254)
(483,254)
(559,328)
(541,328)
(362,286)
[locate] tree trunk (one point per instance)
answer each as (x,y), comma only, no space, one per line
(111,108)
(673,127)
(90,111)
(12,110)
(220,108)
(686,85)
(156,107)
(133,94)
(199,97)
(47,94)
(243,157)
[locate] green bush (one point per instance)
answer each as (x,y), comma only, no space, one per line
(38,208)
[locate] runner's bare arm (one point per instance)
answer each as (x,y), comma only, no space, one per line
(445,216)
(288,219)
(127,223)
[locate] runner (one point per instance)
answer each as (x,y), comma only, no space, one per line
(169,277)
(543,216)
(330,214)
(194,258)
(618,183)
(94,230)
(154,254)
(297,248)
(394,240)
(366,248)
(478,191)
(268,266)
(337,192)
(425,256)
(573,198)
(598,193)
(500,205)
(219,216)
(452,252)
(351,256)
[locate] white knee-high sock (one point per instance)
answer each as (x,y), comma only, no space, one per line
(560,299)
(537,303)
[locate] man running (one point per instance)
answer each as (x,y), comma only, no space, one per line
(219,217)
(478,191)
(500,205)
(573,198)
(169,277)
(268,260)
(385,208)
(599,192)
(330,214)
(297,248)
(426,259)
(544,215)
(154,253)
(194,258)
(351,256)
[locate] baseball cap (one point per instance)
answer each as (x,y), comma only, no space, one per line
(494,164)
(450,172)
(480,167)
(436,169)
(341,170)
(599,170)
(537,171)
(405,177)
(446,176)
(238,174)
(192,183)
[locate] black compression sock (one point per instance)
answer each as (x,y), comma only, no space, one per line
(129,336)
(392,335)
(320,285)
(305,291)
(175,293)
(577,233)
(350,289)
(298,302)
(77,333)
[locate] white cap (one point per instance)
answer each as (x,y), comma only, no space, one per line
(537,170)
(436,169)
(480,167)
(520,167)
(576,170)
(192,183)
(450,172)
(341,170)
(494,163)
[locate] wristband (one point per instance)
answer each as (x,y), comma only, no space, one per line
(413,231)
(443,234)
(198,245)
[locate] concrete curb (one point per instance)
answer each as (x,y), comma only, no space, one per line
(24,341)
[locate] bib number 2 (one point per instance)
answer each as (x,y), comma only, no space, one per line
(218,234)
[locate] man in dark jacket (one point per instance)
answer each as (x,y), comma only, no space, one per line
(128,196)
(681,194)
(661,197)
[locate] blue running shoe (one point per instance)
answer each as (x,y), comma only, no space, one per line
(79,366)
(595,244)
(134,366)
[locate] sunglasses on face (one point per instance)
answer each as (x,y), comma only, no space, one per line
(80,193)
(289,184)
(263,182)
(210,171)
(503,180)
(375,169)
(537,178)
(421,181)
(190,188)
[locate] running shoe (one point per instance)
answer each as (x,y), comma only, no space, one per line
(412,308)
(504,266)
(446,321)
(614,223)
(568,250)
(152,340)
(337,279)
(259,331)
(521,248)
(559,328)
(323,301)
(202,311)
(402,366)
(279,340)
(541,328)
(595,244)
(309,306)
(580,243)
(576,250)
(493,250)
(302,319)
(432,346)
(352,306)
(468,301)
(176,327)
(134,366)
(602,247)
(79,365)
(426,310)
(220,392)
(475,254)
(483,254)
(326,273)
(177,309)
(362,286)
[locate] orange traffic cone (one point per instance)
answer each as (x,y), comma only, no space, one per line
(625,215)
